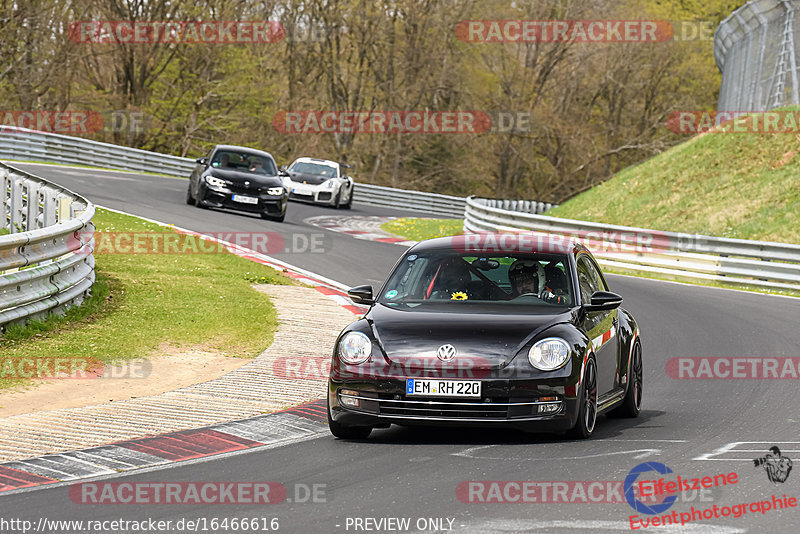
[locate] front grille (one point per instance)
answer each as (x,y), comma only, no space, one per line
(449,409)
(493,409)
(242,190)
(324,195)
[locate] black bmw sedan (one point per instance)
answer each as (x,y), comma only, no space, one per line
(484,330)
(239,178)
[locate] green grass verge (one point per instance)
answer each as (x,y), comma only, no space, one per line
(421,229)
(143,300)
(738,185)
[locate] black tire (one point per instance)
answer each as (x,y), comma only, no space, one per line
(189,197)
(198,201)
(632,403)
(587,413)
(337,199)
(349,201)
(347,432)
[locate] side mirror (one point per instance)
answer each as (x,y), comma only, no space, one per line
(282,170)
(201,161)
(361,295)
(603,301)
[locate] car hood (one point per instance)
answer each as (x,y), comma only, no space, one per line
(311,179)
(239,177)
(490,341)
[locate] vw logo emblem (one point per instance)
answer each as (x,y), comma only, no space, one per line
(446,352)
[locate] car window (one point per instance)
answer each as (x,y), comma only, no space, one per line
(513,279)
(589,279)
(243,162)
(318,169)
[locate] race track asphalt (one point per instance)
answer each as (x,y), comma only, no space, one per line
(695,427)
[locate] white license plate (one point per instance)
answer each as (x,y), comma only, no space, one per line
(301,191)
(245,200)
(424,387)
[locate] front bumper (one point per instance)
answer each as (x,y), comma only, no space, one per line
(313,193)
(505,403)
(269,204)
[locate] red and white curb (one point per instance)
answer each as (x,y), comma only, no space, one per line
(301,422)
(295,424)
(360,227)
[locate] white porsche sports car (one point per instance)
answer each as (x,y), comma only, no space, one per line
(320,181)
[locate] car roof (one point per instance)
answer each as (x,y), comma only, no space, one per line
(502,243)
(235,148)
(316,160)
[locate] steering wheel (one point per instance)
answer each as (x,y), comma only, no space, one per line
(527,295)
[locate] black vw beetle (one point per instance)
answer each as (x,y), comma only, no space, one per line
(239,178)
(514,330)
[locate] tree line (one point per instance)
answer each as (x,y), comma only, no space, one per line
(554,116)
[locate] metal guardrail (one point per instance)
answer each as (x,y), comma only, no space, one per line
(31,145)
(46,262)
(432,203)
(676,255)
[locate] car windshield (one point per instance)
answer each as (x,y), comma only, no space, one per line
(243,162)
(317,169)
(505,280)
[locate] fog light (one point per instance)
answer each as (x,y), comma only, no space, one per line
(347,400)
(550,408)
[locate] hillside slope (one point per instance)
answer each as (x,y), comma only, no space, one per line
(740,185)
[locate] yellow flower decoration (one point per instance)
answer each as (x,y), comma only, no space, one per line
(458,295)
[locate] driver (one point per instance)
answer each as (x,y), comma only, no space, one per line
(527,278)
(256,165)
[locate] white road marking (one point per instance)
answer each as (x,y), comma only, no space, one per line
(646,440)
(470,453)
(731,448)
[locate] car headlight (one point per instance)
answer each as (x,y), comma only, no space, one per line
(549,354)
(329,184)
(215,182)
(355,348)
(275,191)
